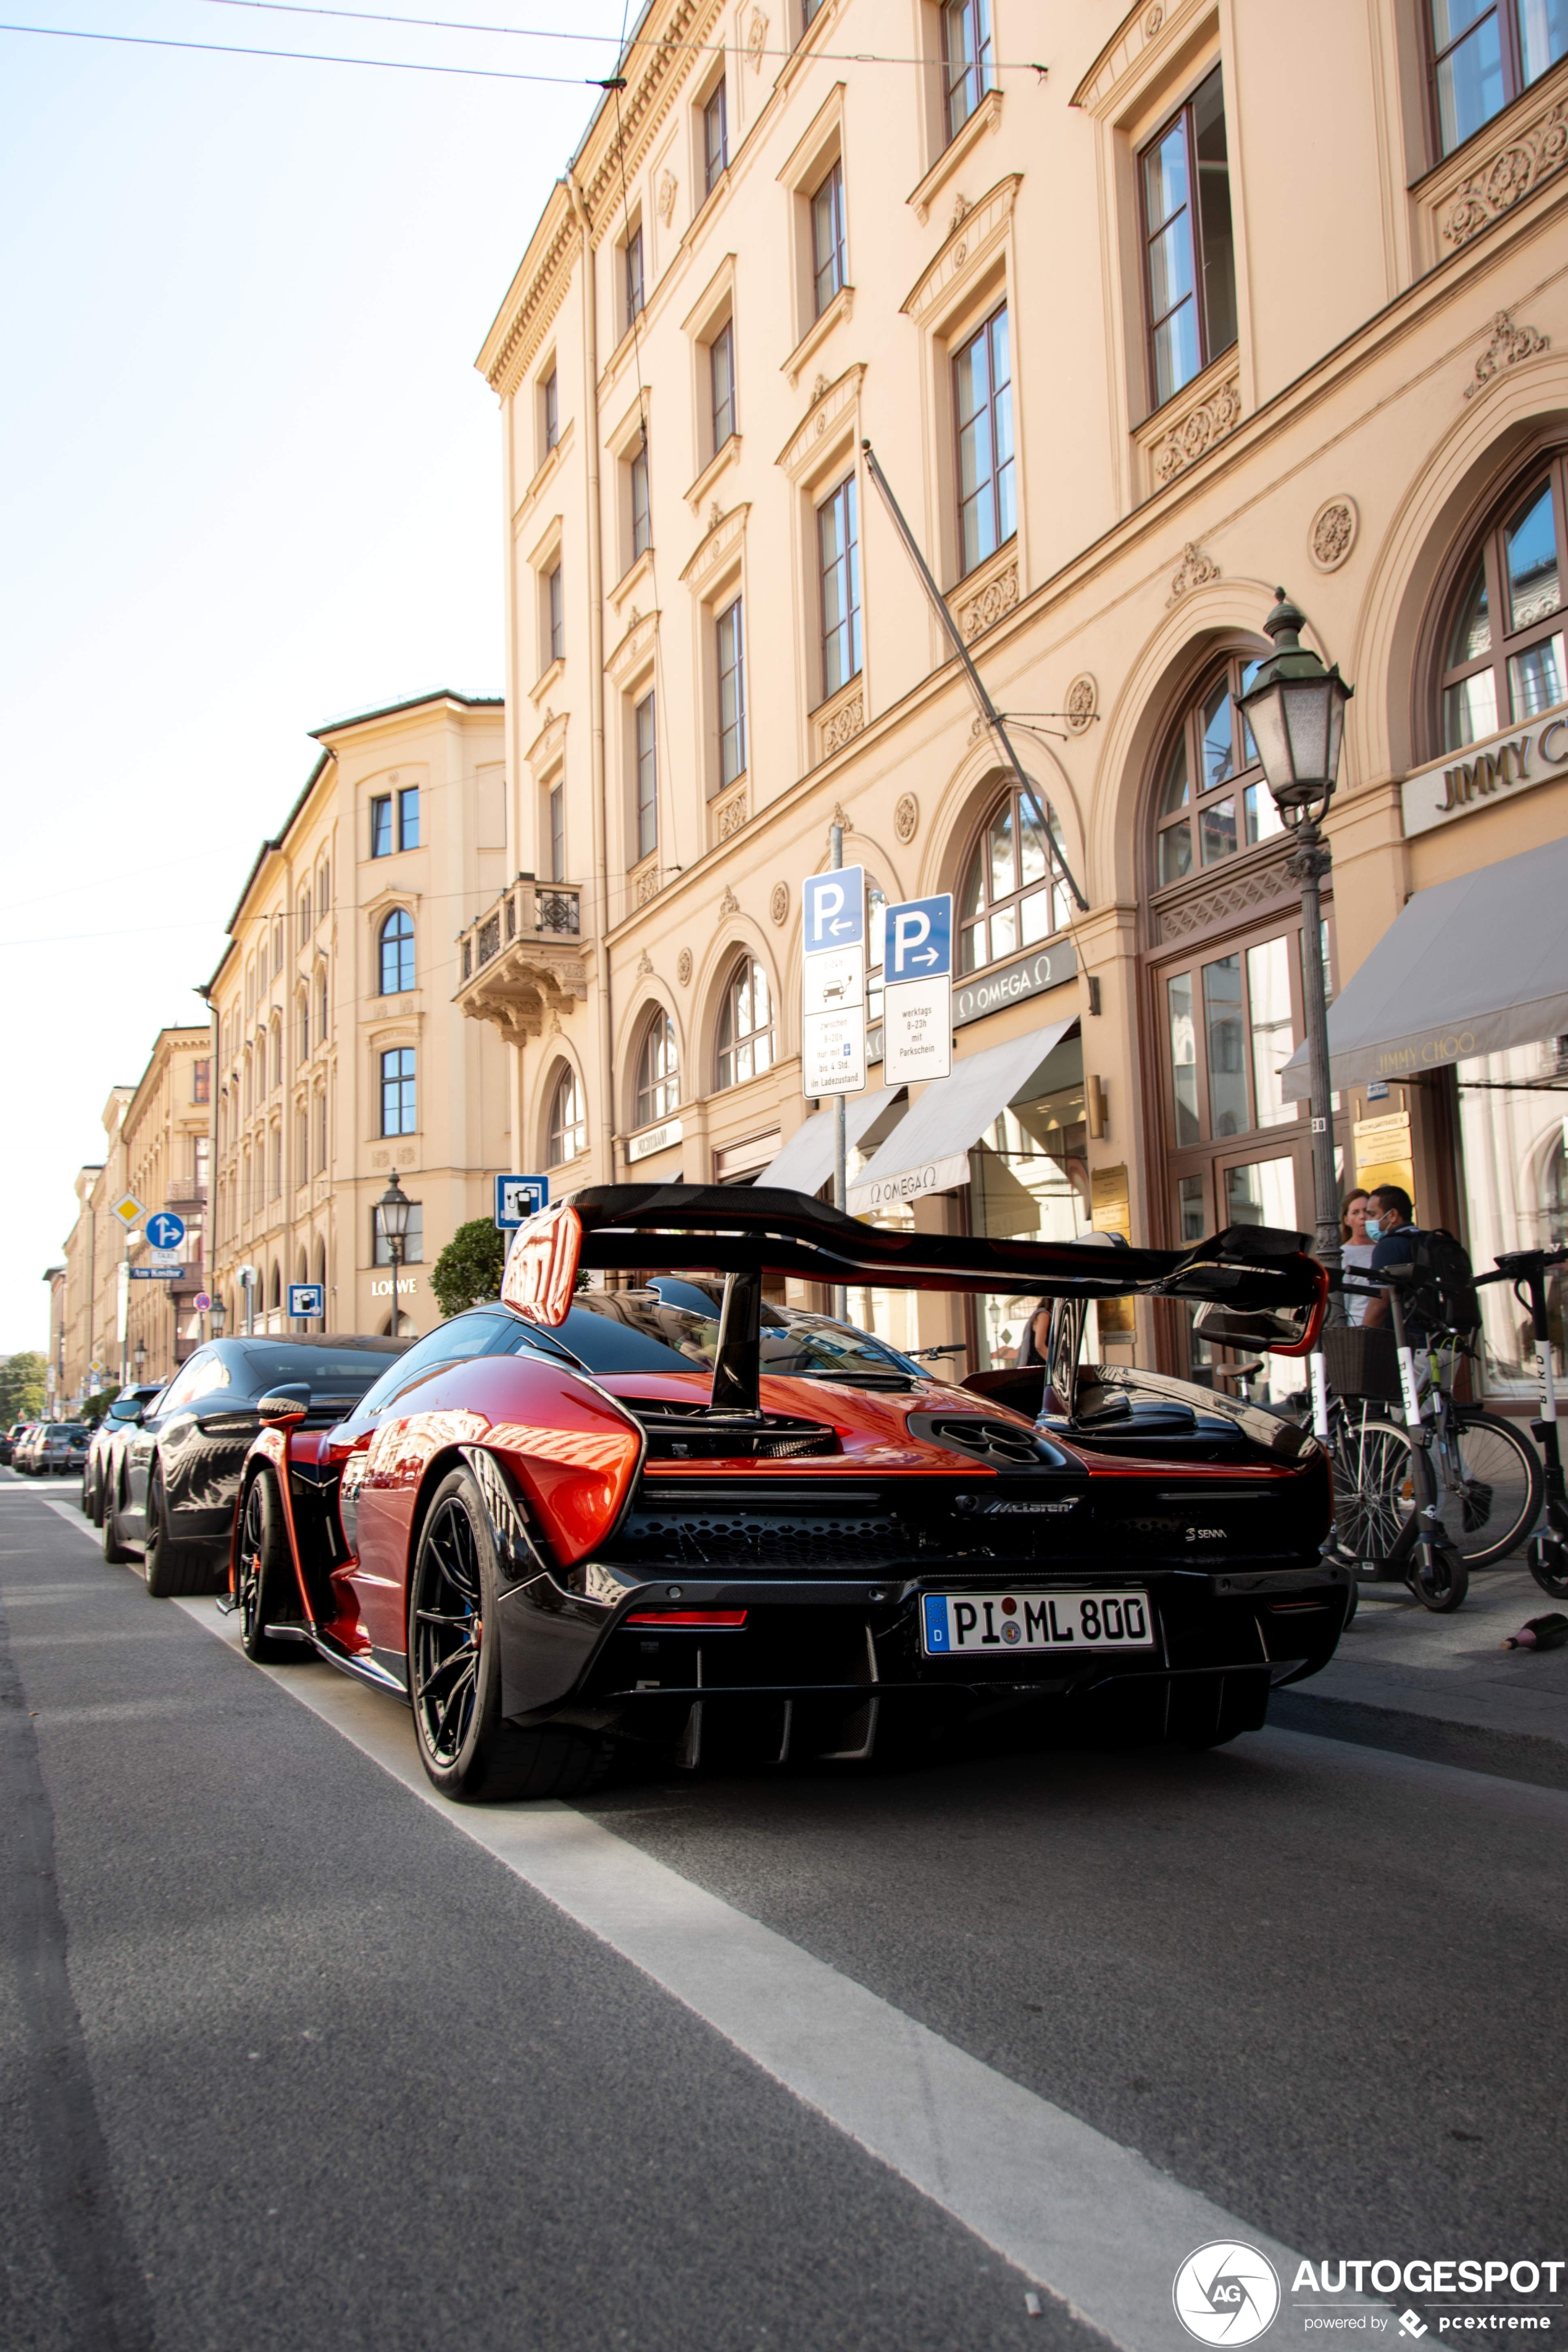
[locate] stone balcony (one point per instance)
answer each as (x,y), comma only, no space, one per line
(524,957)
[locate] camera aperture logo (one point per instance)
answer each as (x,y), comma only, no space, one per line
(1227,2293)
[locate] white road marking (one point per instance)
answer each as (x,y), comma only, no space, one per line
(73,1518)
(1095,2223)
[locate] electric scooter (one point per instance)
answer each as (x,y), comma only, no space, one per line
(1547,1550)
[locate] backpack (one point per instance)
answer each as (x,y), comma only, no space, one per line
(1443,1281)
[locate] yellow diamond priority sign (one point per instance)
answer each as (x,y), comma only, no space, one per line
(128,1208)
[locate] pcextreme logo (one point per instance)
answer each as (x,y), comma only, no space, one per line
(1227,2293)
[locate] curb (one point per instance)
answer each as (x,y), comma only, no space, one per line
(1434,1740)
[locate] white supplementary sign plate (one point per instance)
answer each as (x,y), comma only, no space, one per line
(833,1052)
(917,1031)
(988,1624)
(834,981)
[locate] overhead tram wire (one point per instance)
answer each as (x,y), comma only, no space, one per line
(304,57)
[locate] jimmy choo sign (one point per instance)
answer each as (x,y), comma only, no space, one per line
(1505,765)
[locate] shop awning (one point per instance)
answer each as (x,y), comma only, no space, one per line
(1472,966)
(928,1150)
(806,1164)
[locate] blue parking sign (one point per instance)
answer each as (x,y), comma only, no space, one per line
(518,1198)
(919,939)
(832,910)
(307,1301)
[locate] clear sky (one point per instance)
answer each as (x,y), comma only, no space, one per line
(251,481)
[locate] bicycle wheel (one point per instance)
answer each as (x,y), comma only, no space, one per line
(1371,1463)
(1489,1486)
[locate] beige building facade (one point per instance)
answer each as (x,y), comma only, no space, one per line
(339,1058)
(1227,296)
(86,1338)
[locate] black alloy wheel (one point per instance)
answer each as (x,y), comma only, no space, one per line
(172,1569)
(266,1592)
(454,1669)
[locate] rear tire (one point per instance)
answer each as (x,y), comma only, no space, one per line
(172,1569)
(266,1592)
(114,1551)
(454,1670)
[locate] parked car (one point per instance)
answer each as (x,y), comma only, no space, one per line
(170,1500)
(28,1447)
(8,1439)
(22,1435)
(58,1448)
(102,1468)
(685,1517)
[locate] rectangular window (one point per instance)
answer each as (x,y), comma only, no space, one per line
(1273,1034)
(966,59)
(632,252)
(381,826)
(827,238)
(715,140)
(642,520)
(275,1187)
(732,694)
(554,617)
(722,383)
(398,1098)
(838,572)
(413,1241)
(983,400)
(558,833)
(320,1134)
(1484,53)
(549,402)
(408,817)
(808,10)
(201,1082)
(1189,255)
(201,1164)
(1223,1038)
(647,779)
(1184,1057)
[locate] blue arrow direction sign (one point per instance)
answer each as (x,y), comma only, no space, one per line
(832,910)
(919,939)
(306,1300)
(518,1198)
(165,1231)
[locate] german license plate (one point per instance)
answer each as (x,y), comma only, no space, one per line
(981,1624)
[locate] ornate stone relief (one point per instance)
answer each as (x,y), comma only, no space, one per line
(728,905)
(645,965)
(715,515)
(906,816)
(960,206)
(1082,703)
(1332,533)
(669,188)
(1191,915)
(1509,345)
(1195,569)
(1181,445)
(1513,172)
(843,725)
(976,231)
(980,611)
(646,884)
(683,967)
(778,904)
(1152,21)
(731,817)
(757,39)
(832,410)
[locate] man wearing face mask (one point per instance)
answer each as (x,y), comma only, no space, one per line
(1391,1228)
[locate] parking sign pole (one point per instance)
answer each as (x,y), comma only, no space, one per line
(840,1148)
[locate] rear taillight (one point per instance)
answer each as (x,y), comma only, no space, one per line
(706,1621)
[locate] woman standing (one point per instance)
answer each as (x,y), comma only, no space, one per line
(1355,1252)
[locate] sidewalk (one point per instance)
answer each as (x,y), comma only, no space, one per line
(1444,1687)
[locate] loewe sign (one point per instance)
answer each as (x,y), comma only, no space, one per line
(1507,764)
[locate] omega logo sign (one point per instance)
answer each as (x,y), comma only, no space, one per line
(1452,787)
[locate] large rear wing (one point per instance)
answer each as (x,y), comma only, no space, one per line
(1259,1277)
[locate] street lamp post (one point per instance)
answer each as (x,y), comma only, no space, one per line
(218,1315)
(1296,709)
(392,1217)
(140,1352)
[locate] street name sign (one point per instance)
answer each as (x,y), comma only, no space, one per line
(518,1198)
(833,982)
(917,991)
(156,1273)
(165,1231)
(128,1208)
(307,1300)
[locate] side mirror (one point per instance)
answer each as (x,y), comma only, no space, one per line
(290,1400)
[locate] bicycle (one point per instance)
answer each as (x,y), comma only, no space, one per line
(1449,1488)
(1525,1272)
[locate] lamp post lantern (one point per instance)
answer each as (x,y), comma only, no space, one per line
(1296,709)
(140,1353)
(218,1315)
(392,1217)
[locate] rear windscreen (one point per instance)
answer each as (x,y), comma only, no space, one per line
(327,1371)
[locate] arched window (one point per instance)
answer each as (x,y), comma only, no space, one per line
(657,1073)
(305,1024)
(1212,800)
(321,1007)
(277,1296)
(566,1129)
(261,1068)
(745,1024)
(1502,650)
(277,1052)
(1012,893)
(396,947)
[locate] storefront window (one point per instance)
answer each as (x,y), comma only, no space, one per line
(1503,650)
(1513,1133)
(1028,1177)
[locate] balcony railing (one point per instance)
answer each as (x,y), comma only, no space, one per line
(523,956)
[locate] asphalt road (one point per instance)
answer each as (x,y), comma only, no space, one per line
(293,2057)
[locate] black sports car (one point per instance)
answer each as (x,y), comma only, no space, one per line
(170,1500)
(101,1467)
(674,1513)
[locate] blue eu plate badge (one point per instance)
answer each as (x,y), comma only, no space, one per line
(935,1607)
